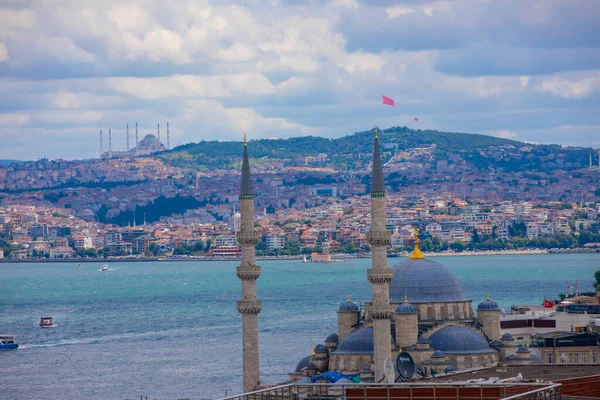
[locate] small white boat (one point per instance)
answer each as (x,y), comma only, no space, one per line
(304,260)
(46,322)
(105,268)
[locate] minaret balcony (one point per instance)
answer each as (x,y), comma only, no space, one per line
(378,238)
(383,275)
(249,306)
(381,314)
(247,238)
(248,272)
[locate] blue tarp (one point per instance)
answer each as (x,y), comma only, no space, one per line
(334,376)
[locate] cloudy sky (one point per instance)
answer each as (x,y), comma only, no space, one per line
(525,70)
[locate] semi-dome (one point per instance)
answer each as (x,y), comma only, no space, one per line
(424,281)
(507,336)
(459,340)
(358,342)
(406,308)
(423,339)
(303,363)
(438,354)
(450,368)
(488,305)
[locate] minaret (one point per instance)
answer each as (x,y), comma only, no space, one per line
(100,143)
(109,143)
(158,137)
(168,138)
(136,139)
(248,272)
(128,136)
(379,275)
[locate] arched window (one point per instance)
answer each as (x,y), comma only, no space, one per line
(444,311)
(468,362)
(456,311)
(430,314)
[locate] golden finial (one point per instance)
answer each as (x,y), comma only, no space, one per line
(376,132)
(314,350)
(405,298)
(245,144)
(487,296)
(348,297)
(416,253)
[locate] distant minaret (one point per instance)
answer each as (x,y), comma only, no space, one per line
(100,143)
(248,272)
(136,139)
(379,275)
(158,137)
(167,136)
(109,143)
(128,136)
(591,164)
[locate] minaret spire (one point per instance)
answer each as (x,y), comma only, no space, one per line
(248,272)
(379,275)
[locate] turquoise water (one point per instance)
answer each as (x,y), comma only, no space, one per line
(171,329)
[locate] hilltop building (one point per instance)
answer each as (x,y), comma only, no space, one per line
(148,145)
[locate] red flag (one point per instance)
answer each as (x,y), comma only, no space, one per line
(416,119)
(388,101)
(548,304)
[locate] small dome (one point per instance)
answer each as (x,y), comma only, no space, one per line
(488,305)
(321,349)
(496,343)
(302,363)
(424,281)
(507,336)
(523,349)
(450,368)
(348,306)
(459,340)
(438,354)
(423,339)
(358,342)
(332,338)
(406,308)
(310,365)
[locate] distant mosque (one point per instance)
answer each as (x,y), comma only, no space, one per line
(418,308)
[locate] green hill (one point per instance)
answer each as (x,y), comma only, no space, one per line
(481,151)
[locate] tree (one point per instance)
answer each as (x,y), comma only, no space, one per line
(597,277)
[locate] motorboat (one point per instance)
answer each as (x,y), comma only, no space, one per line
(8,342)
(105,268)
(46,321)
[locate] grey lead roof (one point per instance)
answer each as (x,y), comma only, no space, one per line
(377,184)
(459,340)
(246,187)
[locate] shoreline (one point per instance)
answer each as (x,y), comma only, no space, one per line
(335,258)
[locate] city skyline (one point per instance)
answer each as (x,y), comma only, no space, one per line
(528,72)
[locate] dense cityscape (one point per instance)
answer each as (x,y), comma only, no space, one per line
(124,205)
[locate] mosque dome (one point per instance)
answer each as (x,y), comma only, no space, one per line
(348,306)
(358,342)
(438,354)
(450,368)
(507,336)
(321,349)
(332,338)
(424,281)
(423,339)
(406,308)
(303,363)
(523,349)
(488,305)
(459,339)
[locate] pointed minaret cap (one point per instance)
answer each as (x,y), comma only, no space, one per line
(416,253)
(377,184)
(246,187)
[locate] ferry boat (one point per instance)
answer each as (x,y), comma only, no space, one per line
(105,268)
(8,342)
(46,322)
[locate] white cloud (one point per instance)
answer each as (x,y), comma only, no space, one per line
(3,52)
(572,87)
(393,12)
(524,81)
(13,119)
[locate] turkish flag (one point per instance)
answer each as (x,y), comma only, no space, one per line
(416,119)
(548,304)
(388,101)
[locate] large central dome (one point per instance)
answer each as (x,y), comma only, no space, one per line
(424,281)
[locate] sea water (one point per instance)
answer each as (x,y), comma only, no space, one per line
(171,330)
